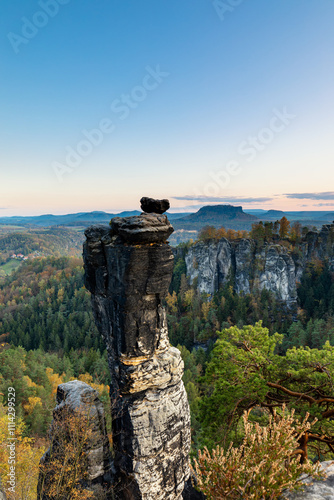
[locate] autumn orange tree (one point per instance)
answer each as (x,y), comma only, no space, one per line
(64,469)
(27,456)
(207,233)
(212,233)
(296,232)
(268,231)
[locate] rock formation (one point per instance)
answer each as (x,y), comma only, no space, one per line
(78,404)
(317,245)
(316,490)
(214,263)
(272,267)
(150,205)
(2,492)
(128,269)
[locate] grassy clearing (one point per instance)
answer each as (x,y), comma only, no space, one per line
(9,267)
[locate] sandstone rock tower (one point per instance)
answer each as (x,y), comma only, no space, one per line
(78,424)
(128,268)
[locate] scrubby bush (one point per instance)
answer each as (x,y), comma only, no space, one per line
(267,462)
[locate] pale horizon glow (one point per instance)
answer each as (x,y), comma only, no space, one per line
(168,95)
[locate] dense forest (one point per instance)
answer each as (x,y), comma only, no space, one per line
(48,336)
(45,305)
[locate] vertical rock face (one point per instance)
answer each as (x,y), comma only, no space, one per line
(278,274)
(244,256)
(214,263)
(319,246)
(77,405)
(128,269)
(272,267)
(211,263)
(201,262)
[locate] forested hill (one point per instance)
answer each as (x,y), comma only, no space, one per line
(45,305)
(40,243)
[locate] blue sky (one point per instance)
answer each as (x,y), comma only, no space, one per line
(199,101)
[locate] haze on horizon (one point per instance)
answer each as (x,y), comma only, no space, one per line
(200,101)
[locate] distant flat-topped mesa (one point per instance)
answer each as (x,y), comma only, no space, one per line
(128,268)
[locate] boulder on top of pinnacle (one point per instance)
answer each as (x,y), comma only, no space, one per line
(150,205)
(144,228)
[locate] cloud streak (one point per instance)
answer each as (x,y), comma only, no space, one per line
(327,195)
(219,199)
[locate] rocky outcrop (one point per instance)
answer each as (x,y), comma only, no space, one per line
(128,269)
(77,405)
(278,273)
(2,492)
(214,263)
(203,265)
(150,205)
(146,228)
(243,260)
(318,245)
(316,490)
(271,267)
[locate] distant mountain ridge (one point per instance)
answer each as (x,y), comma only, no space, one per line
(77,219)
(275,214)
(229,216)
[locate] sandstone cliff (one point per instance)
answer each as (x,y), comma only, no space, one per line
(271,267)
(128,270)
(78,406)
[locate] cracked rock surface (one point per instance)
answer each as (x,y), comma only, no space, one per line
(272,267)
(316,490)
(128,269)
(214,263)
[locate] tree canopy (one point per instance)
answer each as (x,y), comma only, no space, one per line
(246,372)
